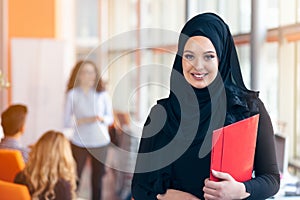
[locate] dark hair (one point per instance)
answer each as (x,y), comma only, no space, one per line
(99,86)
(13,119)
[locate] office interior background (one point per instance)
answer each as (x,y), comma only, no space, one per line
(134,43)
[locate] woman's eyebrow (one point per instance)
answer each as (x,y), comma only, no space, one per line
(188,51)
(210,51)
(207,52)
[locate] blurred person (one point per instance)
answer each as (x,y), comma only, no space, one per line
(1,132)
(207,92)
(50,173)
(88,110)
(13,126)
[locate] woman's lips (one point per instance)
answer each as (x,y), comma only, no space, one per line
(199,75)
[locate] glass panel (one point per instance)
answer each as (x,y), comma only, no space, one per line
(272,15)
(122,16)
(237,14)
(288,11)
(122,80)
(154,14)
(136,89)
(243,15)
(298,103)
(87,20)
(140,70)
(298,10)
(269,80)
(244,57)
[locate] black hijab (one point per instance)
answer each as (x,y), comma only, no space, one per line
(213,27)
(192,113)
(189,115)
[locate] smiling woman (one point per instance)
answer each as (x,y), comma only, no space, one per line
(199,62)
(207,92)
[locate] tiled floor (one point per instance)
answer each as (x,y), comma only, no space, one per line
(110,185)
(116,184)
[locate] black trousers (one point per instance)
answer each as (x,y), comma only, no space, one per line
(98,157)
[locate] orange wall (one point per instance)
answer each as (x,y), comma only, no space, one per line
(31,18)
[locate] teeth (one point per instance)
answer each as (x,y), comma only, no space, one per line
(199,75)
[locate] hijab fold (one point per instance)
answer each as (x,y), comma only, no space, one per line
(209,106)
(192,113)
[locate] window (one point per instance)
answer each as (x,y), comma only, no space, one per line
(3,52)
(87,20)
(236,13)
(103,21)
(272,15)
(142,59)
(297,143)
(269,79)
(244,58)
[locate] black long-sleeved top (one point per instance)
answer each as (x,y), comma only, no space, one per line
(62,188)
(188,172)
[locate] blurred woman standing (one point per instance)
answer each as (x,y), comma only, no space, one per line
(88,111)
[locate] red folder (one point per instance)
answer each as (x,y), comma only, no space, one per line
(233,149)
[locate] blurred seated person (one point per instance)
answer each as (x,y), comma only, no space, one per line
(13,125)
(50,173)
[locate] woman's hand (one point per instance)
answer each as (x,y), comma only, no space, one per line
(226,189)
(100,119)
(176,195)
(88,120)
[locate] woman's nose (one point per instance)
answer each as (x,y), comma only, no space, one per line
(198,65)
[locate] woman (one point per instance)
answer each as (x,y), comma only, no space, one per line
(89,106)
(50,172)
(207,93)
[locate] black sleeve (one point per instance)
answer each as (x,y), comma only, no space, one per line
(267,179)
(20,178)
(141,189)
(62,190)
(146,185)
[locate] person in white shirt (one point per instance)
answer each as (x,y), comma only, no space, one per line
(88,110)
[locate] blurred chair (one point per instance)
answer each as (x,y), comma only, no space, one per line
(11,163)
(13,191)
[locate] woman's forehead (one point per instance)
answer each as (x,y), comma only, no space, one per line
(199,42)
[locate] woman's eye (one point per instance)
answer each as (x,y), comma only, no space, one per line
(209,57)
(189,56)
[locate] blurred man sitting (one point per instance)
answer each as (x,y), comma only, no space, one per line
(13,125)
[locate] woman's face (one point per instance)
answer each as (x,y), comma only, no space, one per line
(87,75)
(199,62)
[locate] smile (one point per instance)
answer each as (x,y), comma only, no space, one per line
(199,75)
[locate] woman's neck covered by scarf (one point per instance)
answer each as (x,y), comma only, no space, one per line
(200,111)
